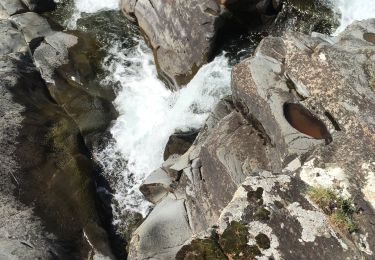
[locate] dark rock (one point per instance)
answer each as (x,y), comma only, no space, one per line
(370,37)
(179,143)
(156,186)
(305,16)
(69,65)
(33,26)
(183,43)
(50,161)
(40,6)
(47,185)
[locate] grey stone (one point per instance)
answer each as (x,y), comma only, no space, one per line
(13,6)
(128,8)
(263,94)
(3,13)
(163,233)
(22,234)
(40,5)
(33,26)
(11,39)
(156,186)
(293,226)
(53,53)
(181,42)
(246,143)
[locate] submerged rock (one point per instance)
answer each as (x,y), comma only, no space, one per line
(69,65)
(305,16)
(47,189)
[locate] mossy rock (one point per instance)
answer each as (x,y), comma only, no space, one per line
(234,240)
(263,241)
(129,222)
(201,249)
(232,244)
(63,12)
(306,16)
(340,210)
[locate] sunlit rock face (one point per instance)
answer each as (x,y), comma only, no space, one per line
(183,43)
(300,116)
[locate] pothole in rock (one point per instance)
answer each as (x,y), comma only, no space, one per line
(370,37)
(305,122)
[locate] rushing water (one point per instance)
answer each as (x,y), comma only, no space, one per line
(149,113)
(352,10)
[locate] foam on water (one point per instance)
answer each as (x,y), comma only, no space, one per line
(92,6)
(150,113)
(89,7)
(353,10)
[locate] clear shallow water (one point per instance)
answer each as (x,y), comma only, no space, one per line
(150,113)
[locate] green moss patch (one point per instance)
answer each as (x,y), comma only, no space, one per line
(59,135)
(232,244)
(263,241)
(201,249)
(339,209)
(234,238)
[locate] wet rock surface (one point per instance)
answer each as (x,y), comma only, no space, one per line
(301,117)
(305,16)
(48,198)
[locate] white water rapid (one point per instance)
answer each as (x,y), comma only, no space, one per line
(150,113)
(89,6)
(353,10)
